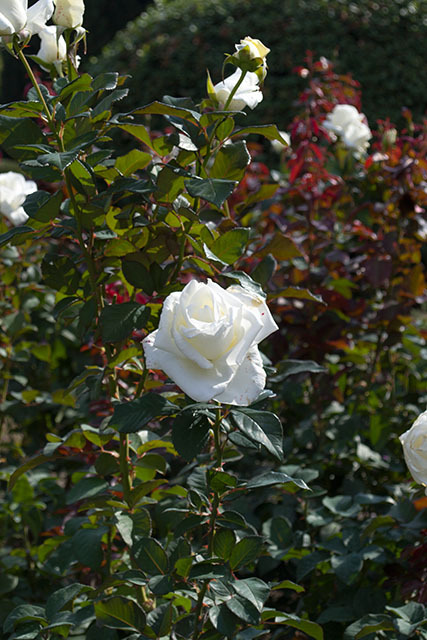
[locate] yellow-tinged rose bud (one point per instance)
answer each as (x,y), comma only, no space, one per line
(254,46)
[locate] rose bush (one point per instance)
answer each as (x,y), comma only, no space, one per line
(207,342)
(414,442)
(13,191)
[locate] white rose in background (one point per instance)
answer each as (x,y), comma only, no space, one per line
(356,136)
(207,342)
(414,442)
(346,121)
(53,49)
(14,188)
(15,17)
(248,94)
(69,13)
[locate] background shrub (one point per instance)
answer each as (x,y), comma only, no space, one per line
(168,48)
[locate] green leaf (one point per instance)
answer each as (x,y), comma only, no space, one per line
(298,293)
(120,613)
(282,247)
(137,275)
(254,590)
(367,625)
(138,131)
(130,417)
(17,131)
(219,481)
(86,488)
(150,556)
(347,567)
(243,609)
(245,551)
(261,427)
(214,191)
(224,542)
(8,583)
(312,629)
(190,433)
(22,613)
(59,160)
(119,320)
(274,477)
(33,462)
(288,584)
(246,282)
(294,367)
(207,570)
(223,620)
(16,231)
(231,161)
(160,620)
(161,585)
(160,108)
(106,81)
(86,545)
(269,131)
(230,246)
(133,161)
(59,599)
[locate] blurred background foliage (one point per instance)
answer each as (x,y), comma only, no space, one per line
(167,45)
(382,43)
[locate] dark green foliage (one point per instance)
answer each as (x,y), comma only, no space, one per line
(168,49)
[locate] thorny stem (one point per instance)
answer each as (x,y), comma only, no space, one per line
(212,521)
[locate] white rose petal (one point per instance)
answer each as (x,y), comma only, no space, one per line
(207,342)
(13,191)
(414,442)
(356,136)
(53,49)
(38,15)
(13,16)
(247,95)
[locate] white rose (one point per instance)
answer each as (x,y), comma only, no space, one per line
(414,442)
(69,13)
(207,342)
(16,17)
(13,191)
(341,116)
(53,49)
(346,121)
(356,136)
(247,95)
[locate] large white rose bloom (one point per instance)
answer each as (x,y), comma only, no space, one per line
(207,342)
(414,442)
(15,16)
(346,121)
(247,95)
(69,13)
(13,191)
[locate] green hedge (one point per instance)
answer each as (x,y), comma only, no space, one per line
(382,43)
